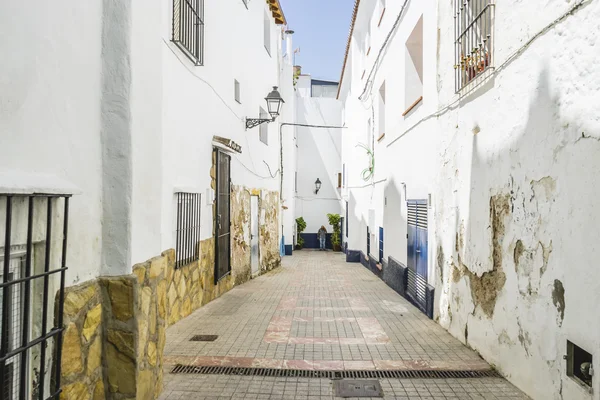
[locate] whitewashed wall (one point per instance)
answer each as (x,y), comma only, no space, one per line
(199,103)
(531,132)
(50,121)
(524,141)
(117,111)
(319,155)
(398,157)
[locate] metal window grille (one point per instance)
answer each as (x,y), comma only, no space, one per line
(188,28)
(188,228)
(368,242)
(473,27)
(31,322)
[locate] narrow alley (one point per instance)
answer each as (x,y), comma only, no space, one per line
(319,313)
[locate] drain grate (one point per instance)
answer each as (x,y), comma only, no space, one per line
(204,338)
(305,373)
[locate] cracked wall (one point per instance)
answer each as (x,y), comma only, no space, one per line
(518,198)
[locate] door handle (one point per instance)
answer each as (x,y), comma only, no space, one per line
(219,221)
(418,251)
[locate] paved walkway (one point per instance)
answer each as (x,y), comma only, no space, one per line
(318,312)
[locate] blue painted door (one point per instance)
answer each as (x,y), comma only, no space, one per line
(380,244)
(417,251)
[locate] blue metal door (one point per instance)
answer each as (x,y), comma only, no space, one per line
(417,251)
(380,244)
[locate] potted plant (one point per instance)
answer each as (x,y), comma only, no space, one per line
(300,227)
(334,221)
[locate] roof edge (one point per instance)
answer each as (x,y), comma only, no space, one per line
(277,12)
(354,14)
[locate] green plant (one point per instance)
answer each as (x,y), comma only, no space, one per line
(334,221)
(300,227)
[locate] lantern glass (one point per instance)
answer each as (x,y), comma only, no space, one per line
(274,102)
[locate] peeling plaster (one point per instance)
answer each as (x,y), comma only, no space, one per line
(558,299)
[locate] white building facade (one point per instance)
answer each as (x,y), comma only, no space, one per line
(138,111)
(475,144)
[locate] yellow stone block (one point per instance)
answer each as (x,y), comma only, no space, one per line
(123,341)
(71,351)
(94,359)
(158,265)
(161,294)
(92,320)
(140,272)
(152,353)
(186,309)
(121,372)
(77,298)
(121,299)
(145,386)
(99,393)
(146,298)
(76,391)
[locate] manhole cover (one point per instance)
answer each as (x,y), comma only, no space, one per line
(204,338)
(358,388)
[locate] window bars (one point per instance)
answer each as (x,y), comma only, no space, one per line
(473,28)
(188,228)
(30,283)
(188,28)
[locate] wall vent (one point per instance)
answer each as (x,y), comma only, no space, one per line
(579,365)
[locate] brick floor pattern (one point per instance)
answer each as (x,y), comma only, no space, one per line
(319,312)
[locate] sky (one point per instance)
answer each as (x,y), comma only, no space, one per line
(321,31)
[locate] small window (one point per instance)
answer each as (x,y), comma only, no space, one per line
(188,28)
(579,364)
(263,128)
(339,180)
(188,228)
(413,78)
(382,111)
(473,41)
(236,89)
(267,33)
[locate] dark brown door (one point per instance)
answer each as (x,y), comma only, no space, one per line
(223,217)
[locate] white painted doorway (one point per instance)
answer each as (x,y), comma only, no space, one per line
(254,235)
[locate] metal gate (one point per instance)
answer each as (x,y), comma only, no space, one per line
(417,252)
(368,242)
(30,320)
(223,217)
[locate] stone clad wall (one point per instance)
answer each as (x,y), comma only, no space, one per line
(81,368)
(115,327)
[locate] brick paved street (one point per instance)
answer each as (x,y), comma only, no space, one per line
(319,312)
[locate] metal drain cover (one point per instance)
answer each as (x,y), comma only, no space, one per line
(358,388)
(204,338)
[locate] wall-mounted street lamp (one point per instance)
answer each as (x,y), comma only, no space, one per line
(274,103)
(317,186)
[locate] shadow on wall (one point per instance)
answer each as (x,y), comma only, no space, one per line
(394,222)
(504,289)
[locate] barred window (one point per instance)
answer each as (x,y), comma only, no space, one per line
(188,228)
(188,28)
(473,23)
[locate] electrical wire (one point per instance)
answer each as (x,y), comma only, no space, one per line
(452,105)
(202,80)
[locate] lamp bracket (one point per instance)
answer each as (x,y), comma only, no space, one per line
(252,122)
